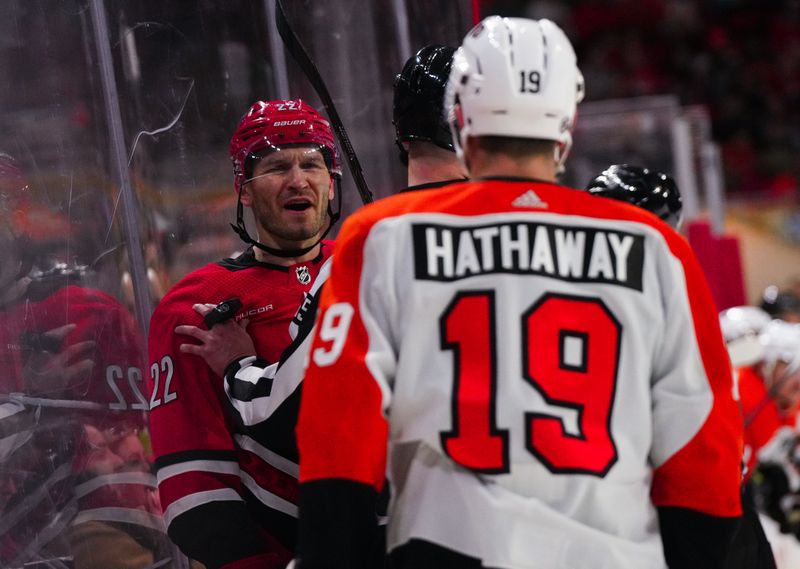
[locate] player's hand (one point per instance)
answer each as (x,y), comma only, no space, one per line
(226,342)
(49,368)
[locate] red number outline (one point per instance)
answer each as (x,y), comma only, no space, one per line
(532,418)
(480,445)
(450,439)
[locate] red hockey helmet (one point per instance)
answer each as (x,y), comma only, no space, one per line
(276,124)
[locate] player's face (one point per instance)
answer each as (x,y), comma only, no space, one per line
(289,194)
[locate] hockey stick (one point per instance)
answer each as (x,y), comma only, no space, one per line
(300,55)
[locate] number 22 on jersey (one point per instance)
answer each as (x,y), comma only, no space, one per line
(569,354)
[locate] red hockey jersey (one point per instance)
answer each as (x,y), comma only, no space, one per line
(762,418)
(229,491)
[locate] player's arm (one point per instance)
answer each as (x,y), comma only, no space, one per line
(229,351)
(254,387)
(342,431)
(257,390)
(197,468)
(697,427)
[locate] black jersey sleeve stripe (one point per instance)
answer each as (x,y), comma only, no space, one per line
(247,390)
(305,324)
(217,533)
(421,554)
(188,455)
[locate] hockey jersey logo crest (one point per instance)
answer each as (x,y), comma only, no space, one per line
(303,276)
(529,199)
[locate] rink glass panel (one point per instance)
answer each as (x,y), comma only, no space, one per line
(114,183)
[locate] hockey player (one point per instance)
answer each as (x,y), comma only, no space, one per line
(782,304)
(426,148)
(544,365)
(770,387)
(229,492)
(262,395)
(741,327)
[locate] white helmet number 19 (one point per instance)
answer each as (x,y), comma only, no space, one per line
(530,82)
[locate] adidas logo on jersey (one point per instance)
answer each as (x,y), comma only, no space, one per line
(529,199)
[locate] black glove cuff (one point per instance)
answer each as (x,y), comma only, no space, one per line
(225,310)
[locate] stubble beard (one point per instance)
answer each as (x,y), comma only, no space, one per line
(274,225)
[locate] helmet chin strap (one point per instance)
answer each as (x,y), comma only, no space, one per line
(241,230)
(560,152)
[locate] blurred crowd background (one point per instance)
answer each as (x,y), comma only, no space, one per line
(739,58)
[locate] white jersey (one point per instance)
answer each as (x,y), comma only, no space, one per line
(546,366)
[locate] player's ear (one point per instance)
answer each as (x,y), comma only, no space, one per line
(331,193)
(246,196)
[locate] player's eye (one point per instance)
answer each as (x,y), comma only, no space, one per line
(312,165)
(277,168)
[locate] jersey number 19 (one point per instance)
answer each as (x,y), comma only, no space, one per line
(570,355)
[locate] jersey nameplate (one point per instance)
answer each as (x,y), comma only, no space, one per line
(578,254)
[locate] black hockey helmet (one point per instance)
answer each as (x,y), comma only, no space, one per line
(779,303)
(648,189)
(418,112)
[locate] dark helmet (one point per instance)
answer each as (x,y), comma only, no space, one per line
(419,99)
(778,303)
(648,189)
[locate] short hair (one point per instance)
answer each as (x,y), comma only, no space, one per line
(516,147)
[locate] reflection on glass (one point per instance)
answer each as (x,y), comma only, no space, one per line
(76,488)
(74,468)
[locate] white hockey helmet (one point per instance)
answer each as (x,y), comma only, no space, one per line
(741,326)
(514,77)
(781,343)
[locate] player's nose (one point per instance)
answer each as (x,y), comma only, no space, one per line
(297,177)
